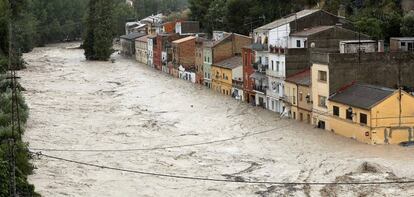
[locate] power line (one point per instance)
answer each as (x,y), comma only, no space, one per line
(162,147)
(198,178)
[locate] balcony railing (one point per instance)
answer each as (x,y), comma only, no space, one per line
(237,84)
(260,88)
(277,49)
(259,66)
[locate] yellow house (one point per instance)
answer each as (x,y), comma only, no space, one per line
(298,97)
(372,114)
(224,72)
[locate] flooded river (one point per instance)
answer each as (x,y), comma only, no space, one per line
(126,115)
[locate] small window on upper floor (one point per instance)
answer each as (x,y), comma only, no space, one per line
(335,110)
(363,119)
(403,44)
(322,101)
(349,114)
(298,43)
(322,76)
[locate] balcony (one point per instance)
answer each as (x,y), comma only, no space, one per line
(259,66)
(260,88)
(260,47)
(277,50)
(237,84)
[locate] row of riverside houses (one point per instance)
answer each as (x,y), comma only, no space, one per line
(309,66)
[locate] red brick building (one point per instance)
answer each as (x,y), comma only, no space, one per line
(248,83)
(183,52)
(162,49)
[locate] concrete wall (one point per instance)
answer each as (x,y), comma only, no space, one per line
(141,51)
(296,61)
(223,51)
(240,41)
(304,103)
(319,88)
(372,68)
(383,121)
(320,18)
(330,39)
(349,128)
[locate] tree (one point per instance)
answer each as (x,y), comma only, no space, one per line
(99,33)
(370,26)
(407,26)
(89,40)
(216,15)
(104,30)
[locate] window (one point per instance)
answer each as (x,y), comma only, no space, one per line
(403,44)
(293,96)
(349,114)
(322,101)
(205,59)
(322,76)
(335,110)
(300,96)
(363,118)
(277,66)
(273,66)
(298,43)
(294,115)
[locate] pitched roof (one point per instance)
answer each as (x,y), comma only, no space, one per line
(230,63)
(133,36)
(362,96)
(216,42)
(311,31)
(300,78)
(288,19)
(188,38)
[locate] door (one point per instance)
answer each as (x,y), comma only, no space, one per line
(321,124)
(410,46)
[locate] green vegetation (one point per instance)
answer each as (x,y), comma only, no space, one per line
(144,8)
(381,19)
(99,34)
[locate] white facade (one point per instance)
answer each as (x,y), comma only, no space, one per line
(276,74)
(279,36)
(186,75)
(276,70)
(297,42)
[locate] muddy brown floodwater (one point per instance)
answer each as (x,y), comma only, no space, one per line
(75,104)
